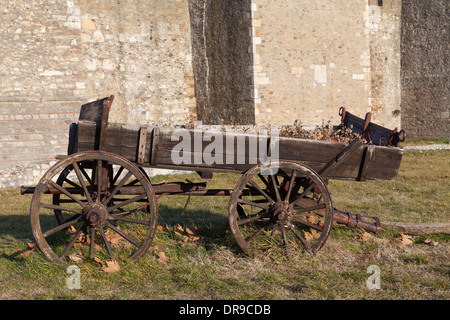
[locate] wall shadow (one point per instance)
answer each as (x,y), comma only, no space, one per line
(222,61)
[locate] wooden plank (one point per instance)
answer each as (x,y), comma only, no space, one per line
(142,145)
(120,139)
(93,111)
(383,163)
(155,142)
(353,147)
(196,149)
(88,135)
(104,123)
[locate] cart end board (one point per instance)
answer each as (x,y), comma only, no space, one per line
(215,151)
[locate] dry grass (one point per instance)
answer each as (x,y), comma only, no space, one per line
(215,269)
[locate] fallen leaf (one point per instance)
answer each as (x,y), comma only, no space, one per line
(99,261)
(71,231)
(31,248)
(114,238)
(314,233)
(32,245)
(405,239)
(431,242)
(309,236)
(311,219)
(162,257)
(192,231)
(161,228)
(214,256)
(76,257)
(111,267)
(179,228)
(363,237)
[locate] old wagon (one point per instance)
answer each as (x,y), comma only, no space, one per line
(99,195)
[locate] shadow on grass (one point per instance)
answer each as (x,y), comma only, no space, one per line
(16,233)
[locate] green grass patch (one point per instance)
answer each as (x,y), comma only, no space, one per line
(213,267)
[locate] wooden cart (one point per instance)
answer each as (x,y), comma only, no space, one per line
(99,194)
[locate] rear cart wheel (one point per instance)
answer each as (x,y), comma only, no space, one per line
(104,205)
(280,204)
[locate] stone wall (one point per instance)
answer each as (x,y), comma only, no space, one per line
(312,57)
(425,68)
(57,55)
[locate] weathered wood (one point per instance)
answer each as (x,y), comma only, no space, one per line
(417,229)
(238,152)
(93,111)
(104,122)
(142,145)
(120,139)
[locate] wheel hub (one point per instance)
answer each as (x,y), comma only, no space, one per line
(280,213)
(95,214)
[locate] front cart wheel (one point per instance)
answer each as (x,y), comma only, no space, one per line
(280,204)
(106,207)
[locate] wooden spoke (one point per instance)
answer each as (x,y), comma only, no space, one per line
(275,187)
(117,188)
(70,222)
(291,184)
(118,173)
(106,242)
(283,233)
(89,180)
(81,180)
(52,206)
(126,202)
(92,244)
(130,220)
(71,243)
(259,231)
(253,218)
(67,193)
(309,209)
(304,193)
(308,224)
(123,235)
(254,204)
(99,179)
(300,238)
(261,191)
(263,180)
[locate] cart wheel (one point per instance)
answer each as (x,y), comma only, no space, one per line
(280,204)
(104,206)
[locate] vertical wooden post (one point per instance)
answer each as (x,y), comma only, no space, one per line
(102,142)
(104,122)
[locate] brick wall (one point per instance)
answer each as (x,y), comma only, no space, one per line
(57,55)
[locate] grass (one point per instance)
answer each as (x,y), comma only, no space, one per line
(215,268)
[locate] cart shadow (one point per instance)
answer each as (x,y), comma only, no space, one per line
(16,234)
(210,225)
